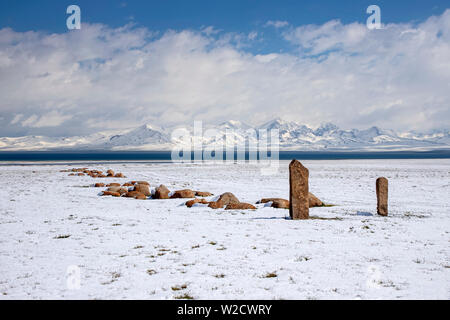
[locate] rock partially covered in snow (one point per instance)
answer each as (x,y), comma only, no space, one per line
(111,193)
(314,201)
(224,200)
(161,192)
(143,188)
(186,193)
(240,206)
(190,203)
(203,194)
(276,202)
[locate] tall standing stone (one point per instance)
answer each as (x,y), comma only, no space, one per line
(298,191)
(382,196)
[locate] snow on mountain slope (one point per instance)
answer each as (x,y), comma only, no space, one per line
(294,136)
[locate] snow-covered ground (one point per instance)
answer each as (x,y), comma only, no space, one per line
(52,224)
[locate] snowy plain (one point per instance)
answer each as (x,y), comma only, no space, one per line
(52,223)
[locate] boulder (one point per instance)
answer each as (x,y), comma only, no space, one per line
(111,193)
(134,194)
(276,202)
(215,205)
(120,190)
(190,203)
(80,174)
(228,198)
(186,193)
(110,173)
(99,185)
(143,188)
(141,196)
(113,185)
(161,192)
(142,182)
(203,194)
(240,206)
(298,191)
(119,175)
(127,185)
(224,200)
(314,201)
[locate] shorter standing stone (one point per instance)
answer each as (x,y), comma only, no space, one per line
(382,196)
(298,191)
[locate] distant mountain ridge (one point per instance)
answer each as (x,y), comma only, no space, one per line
(294,136)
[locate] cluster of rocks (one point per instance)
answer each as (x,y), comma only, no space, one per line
(94,173)
(229,201)
(280,203)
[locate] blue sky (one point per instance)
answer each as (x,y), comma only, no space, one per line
(226,15)
(173,62)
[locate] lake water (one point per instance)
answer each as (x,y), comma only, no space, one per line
(166,155)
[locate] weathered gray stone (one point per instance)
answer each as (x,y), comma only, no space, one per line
(298,191)
(382,196)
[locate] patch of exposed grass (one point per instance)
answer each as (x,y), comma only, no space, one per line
(323,218)
(138,247)
(151,272)
(62,236)
(178,288)
(270,275)
(213,243)
(184,297)
(195,247)
(219,276)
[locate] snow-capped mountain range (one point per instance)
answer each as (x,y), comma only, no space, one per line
(293,137)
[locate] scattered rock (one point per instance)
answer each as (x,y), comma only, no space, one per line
(240,206)
(298,191)
(140,196)
(111,193)
(228,198)
(276,202)
(190,203)
(143,188)
(215,205)
(127,185)
(142,182)
(99,185)
(224,200)
(119,175)
(161,192)
(113,185)
(314,201)
(120,190)
(183,194)
(133,194)
(110,173)
(80,174)
(382,196)
(203,194)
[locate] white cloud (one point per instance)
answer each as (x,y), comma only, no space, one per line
(277,24)
(98,77)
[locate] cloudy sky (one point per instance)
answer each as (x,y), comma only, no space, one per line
(170,63)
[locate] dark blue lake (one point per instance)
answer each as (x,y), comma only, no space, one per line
(166,155)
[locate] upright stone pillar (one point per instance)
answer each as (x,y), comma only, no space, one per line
(298,191)
(382,196)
